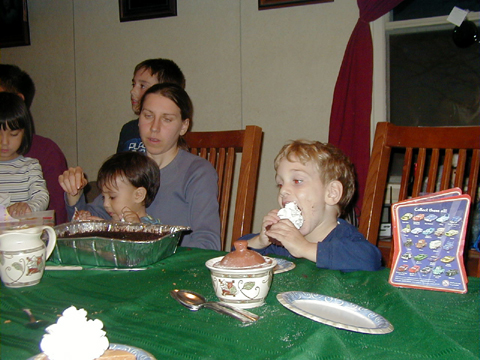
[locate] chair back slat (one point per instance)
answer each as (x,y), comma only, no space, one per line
(460,170)
(212,157)
(474,171)
(433,171)
(220,148)
(419,170)
(447,170)
(220,167)
(225,189)
(434,159)
(405,181)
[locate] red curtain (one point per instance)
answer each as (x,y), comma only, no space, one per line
(352,98)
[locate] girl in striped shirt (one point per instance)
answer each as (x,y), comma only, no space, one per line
(22,187)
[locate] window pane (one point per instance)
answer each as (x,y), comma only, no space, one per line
(417,9)
(433,82)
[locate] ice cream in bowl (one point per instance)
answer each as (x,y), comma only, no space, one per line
(242,278)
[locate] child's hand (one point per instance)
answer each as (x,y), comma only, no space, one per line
(269,219)
(291,238)
(72,181)
(20,208)
(130,216)
(81,215)
(95,218)
(84,215)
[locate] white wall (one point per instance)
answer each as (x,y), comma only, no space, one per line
(274,68)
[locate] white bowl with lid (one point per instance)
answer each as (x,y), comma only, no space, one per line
(243,287)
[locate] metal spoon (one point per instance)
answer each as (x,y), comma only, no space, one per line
(34,323)
(195,301)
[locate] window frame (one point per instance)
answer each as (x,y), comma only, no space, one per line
(380,29)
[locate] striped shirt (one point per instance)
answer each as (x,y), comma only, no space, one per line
(21,180)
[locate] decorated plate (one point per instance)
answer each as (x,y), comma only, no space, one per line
(283,266)
(335,312)
(139,353)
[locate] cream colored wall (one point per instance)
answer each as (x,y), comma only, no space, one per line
(50,61)
(273,68)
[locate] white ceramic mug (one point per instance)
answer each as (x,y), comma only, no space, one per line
(23,254)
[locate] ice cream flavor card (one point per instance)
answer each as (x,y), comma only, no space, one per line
(429,237)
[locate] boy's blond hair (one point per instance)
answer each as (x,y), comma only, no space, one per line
(331,164)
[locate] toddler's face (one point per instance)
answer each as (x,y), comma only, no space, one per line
(302,184)
(117,196)
(10,141)
(142,80)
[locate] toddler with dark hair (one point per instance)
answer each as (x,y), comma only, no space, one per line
(129,182)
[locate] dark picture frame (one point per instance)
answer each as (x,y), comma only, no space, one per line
(132,10)
(14,27)
(275,4)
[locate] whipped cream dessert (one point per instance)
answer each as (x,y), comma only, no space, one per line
(74,337)
(292,213)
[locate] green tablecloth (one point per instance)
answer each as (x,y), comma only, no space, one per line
(137,310)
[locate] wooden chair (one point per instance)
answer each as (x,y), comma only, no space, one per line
(428,154)
(221,149)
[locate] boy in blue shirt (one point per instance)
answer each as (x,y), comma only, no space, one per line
(320,179)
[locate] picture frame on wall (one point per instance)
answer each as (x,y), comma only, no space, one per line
(274,4)
(14,27)
(132,10)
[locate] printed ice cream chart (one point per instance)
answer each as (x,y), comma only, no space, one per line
(429,240)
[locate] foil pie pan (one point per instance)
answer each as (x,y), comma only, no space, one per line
(110,252)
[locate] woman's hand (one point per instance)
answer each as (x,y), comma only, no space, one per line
(20,208)
(72,182)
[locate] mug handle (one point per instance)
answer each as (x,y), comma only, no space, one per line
(52,240)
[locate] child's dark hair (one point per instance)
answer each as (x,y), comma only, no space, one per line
(165,70)
(137,168)
(13,79)
(14,115)
(180,97)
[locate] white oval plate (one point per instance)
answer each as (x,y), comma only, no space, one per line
(335,312)
(139,353)
(283,266)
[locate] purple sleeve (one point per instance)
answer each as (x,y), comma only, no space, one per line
(53,163)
